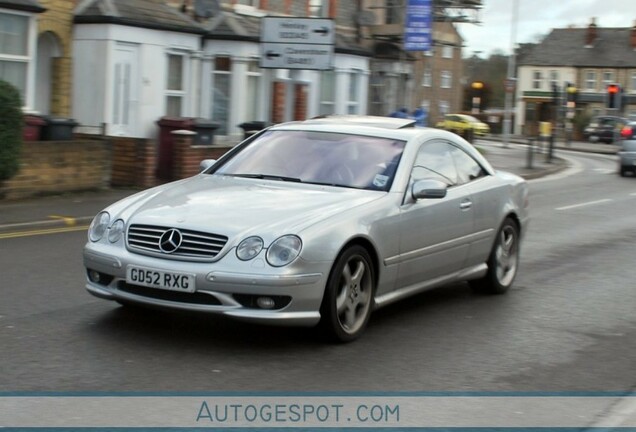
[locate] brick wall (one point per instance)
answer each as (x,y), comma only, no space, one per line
(278,102)
(300,101)
(51,167)
(186,157)
(134,162)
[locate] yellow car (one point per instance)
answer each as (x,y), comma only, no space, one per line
(461,124)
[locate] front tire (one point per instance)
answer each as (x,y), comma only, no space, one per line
(348,300)
(503,261)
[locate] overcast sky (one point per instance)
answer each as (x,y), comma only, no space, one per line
(538,17)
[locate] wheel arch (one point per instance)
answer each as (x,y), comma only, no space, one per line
(371,250)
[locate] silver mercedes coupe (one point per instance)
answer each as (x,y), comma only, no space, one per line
(316,222)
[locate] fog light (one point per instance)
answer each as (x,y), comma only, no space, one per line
(93,275)
(265,302)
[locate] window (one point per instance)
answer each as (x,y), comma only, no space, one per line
(554,78)
(608,78)
(446,81)
(175,88)
(353,104)
(536,80)
(467,168)
(427,79)
(444,107)
(254,78)
(445,162)
(632,86)
(394,11)
(327,92)
(447,52)
(435,161)
(221,93)
(590,80)
(14,55)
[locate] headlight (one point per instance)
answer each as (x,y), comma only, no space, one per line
(249,248)
(98,226)
(284,250)
(115,231)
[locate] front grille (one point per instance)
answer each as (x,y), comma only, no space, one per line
(194,244)
(200,298)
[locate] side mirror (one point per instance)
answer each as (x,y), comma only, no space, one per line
(205,164)
(429,188)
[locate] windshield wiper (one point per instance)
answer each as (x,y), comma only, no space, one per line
(269,177)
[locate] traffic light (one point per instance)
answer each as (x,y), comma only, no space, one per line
(555,94)
(613,96)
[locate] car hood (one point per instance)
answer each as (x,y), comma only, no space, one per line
(237,206)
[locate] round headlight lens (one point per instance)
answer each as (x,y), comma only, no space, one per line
(116,230)
(99,226)
(249,248)
(284,250)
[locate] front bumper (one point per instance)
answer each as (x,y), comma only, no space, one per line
(221,288)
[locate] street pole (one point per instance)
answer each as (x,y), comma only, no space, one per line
(510,75)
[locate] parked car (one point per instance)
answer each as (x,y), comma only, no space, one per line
(627,155)
(463,125)
(604,129)
(314,222)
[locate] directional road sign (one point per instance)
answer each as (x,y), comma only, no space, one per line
(297,43)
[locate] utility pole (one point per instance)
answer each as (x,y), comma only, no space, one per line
(510,76)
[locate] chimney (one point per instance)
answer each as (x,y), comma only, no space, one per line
(590,35)
(633,36)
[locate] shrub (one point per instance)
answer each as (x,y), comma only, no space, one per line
(11,122)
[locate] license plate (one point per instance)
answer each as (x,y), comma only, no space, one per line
(161,279)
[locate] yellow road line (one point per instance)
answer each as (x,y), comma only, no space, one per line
(43,232)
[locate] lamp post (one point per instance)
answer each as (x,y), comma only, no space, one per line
(510,75)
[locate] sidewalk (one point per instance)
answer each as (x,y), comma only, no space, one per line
(78,209)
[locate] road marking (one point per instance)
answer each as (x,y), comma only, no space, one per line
(43,232)
(69,221)
(583,204)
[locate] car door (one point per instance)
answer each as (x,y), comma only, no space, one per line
(434,233)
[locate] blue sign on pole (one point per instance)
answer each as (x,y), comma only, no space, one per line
(417,29)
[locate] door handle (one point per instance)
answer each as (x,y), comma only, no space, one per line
(465,205)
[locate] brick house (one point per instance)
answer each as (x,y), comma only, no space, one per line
(590,58)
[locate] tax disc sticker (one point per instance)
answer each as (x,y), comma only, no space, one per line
(380,180)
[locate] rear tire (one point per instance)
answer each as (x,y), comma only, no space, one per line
(348,299)
(503,262)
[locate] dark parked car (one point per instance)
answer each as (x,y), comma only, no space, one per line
(627,155)
(604,128)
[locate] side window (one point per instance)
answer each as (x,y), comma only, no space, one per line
(435,160)
(467,168)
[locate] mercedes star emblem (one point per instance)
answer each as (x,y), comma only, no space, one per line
(170,241)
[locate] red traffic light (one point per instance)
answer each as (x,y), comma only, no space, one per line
(612,88)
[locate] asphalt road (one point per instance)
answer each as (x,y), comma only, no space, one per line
(568,324)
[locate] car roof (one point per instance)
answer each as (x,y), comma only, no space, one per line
(362,120)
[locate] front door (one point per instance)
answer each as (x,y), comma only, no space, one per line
(125,91)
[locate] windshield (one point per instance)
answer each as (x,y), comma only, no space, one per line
(345,160)
(471,119)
